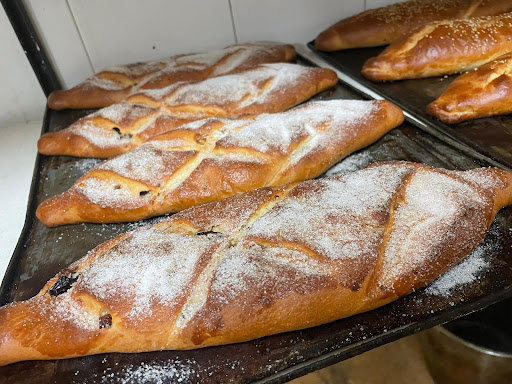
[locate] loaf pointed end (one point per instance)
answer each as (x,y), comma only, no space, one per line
(66,143)
(449,117)
(374,70)
(328,41)
(58,210)
(58,100)
(51,144)
(15,338)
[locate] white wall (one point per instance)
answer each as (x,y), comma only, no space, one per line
(21,97)
(56,27)
(82,37)
(293,21)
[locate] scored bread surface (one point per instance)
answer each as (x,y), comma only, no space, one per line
(485,91)
(118,82)
(443,47)
(384,25)
(211,159)
(267,261)
(116,129)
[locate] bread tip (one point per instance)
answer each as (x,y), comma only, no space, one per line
(46,144)
(332,77)
(435,110)
(398,112)
(44,214)
(372,69)
(58,210)
(432,109)
(328,41)
(57,100)
(290,53)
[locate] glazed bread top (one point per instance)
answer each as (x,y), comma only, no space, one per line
(484,91)
(443,47)
(384,25)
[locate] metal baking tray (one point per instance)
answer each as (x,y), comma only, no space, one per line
(42,252)
(491,136)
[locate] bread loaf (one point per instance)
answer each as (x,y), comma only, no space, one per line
(484,91)
(116,83)
(384,25)
(121,127)
(267,261)
(442,48)
(211,159)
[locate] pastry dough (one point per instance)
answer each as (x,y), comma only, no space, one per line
(384,25)
(211,159)
(267,261)
(485,91)
(116,83)
(442,48)
(122,127)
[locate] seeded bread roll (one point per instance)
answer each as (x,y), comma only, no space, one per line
(113,130)
(384,25)
(211,159)
(116,83)
(271,260)
(442,48)
(485,91)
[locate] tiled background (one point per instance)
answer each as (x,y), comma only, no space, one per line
(82,37)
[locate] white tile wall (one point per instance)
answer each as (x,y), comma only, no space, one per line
(116,31)
(293,21)
(21,96)
(57,30)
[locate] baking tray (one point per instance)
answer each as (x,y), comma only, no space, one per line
(491,136)
(42,252)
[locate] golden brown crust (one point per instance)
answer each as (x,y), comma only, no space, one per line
(250,266)
(384,25)
(442,48)
(113,85)
(74,98)
(212,159)
(120,127)
(485,91)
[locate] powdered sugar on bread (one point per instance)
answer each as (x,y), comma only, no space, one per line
(278,141)
(253,91)
(307,234)
(217,274)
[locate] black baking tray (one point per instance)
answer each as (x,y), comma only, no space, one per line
(491,136)
(42,252)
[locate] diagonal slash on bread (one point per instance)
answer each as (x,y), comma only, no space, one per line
(116,129)
(381,26)
(113,84)
(443,47)
(267,261)
(211,159)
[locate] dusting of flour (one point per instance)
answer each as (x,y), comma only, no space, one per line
(470,269)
